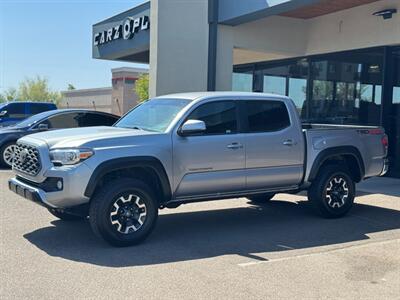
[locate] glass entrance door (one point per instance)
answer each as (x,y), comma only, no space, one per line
(394,115)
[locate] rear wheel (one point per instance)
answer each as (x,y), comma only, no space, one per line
(123,212)
(260,199)
(332,192)
(7,154)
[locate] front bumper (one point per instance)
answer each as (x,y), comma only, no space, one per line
(74,180)
(28,192)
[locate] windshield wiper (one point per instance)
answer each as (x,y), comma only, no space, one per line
(138,128)
(129,127)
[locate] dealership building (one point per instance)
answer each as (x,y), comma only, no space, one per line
(339,60)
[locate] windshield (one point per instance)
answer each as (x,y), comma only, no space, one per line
(153,115)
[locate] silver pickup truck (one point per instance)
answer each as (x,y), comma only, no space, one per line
(191,147)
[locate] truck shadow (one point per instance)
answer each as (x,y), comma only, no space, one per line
(184,236)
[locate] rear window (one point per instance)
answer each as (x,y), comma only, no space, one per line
(266,116)
(96,119)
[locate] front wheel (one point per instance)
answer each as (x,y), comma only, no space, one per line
(123,212)
(332,192)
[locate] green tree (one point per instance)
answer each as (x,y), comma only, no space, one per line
(142,87)
(37,89)
(9,95)
(71,87)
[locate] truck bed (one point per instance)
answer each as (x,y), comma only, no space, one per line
(367,140)
(335,126)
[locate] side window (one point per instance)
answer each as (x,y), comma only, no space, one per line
(15,110)
(96,119)
(66,120)
(266,116)
(220,117)
(39,107)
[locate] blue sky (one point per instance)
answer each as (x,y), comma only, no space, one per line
(52,38)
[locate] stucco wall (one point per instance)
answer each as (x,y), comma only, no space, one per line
(95,99)
(179,46)
(354,28)
(280,36)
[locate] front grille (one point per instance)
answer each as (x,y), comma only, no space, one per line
(27,159)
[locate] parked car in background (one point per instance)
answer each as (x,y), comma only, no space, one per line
(50,120)
(14,112)
(184,148)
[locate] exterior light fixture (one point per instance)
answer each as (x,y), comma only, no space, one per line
(386,13)
(373,69)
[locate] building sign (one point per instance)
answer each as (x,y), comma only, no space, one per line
(126,30)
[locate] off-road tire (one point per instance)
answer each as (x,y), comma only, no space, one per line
(332,192)
(115,208)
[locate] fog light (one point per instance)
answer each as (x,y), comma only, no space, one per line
(59,185)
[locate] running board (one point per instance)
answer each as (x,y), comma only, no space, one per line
(230,195)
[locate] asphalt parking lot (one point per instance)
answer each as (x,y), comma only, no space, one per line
(220,249)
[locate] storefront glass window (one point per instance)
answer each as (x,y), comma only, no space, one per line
(275,85)
(347,88)
(394,116)
(297,92)
(242,82)
(396,79)
(378,94)
(287,79)
(366,92)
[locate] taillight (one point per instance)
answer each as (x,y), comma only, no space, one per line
(385,141)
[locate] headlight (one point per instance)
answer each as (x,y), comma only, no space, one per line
(69,156)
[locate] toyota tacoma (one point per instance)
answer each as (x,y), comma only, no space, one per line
(190,147)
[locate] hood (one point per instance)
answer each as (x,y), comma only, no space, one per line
(100,136)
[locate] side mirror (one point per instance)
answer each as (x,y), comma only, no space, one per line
(43,127)
(192,127)
(3,113)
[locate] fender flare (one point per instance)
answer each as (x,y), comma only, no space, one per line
(326,154)
(127,163)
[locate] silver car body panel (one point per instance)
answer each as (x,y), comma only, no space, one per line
(204,166)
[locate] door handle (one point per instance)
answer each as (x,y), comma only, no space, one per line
(289,143)
(234,146)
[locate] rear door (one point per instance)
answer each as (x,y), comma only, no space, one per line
(212,163)
(63,120)
(274,147)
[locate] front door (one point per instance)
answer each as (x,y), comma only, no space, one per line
(213,162)
(274,146)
